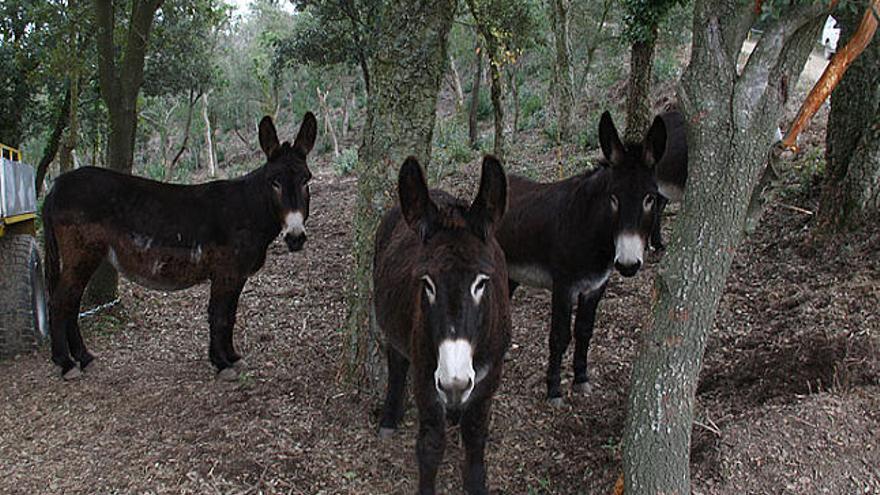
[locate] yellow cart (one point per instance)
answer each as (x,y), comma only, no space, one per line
(23,315)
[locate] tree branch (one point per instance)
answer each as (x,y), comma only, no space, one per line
(833,74)
(767,55)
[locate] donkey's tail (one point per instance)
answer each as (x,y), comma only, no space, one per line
(53,262)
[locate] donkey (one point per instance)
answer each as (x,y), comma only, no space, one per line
(170,237)
(567,236)
(671,170)
(441,299)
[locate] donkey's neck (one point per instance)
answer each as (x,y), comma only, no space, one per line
(258,210)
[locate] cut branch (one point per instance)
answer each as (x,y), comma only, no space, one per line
(832,75)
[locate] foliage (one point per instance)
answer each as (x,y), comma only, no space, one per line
(642,17)
(345,163)
(183,44)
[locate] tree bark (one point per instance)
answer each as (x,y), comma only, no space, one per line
(638,109)
(406,70)
(473,125)
(731,126)
(851,186)
(120,84)
(209,140)
(563,74)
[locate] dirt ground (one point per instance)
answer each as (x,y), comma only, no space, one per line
(788,400)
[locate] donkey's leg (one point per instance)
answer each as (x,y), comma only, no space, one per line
(221,318)
(560,336)
(64,303)
(511,287)
(74,336)
(393,410)
(474,431)
(656,233)
(583,331)
(431,441)
(430,445)
(59,314)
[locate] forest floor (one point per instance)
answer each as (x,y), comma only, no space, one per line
(788,402)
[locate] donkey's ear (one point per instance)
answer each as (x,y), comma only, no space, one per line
(268,136)
(490,204)
(655,142)
(418,210)
(308,131)
(612,147)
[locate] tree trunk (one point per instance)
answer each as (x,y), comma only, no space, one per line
(71,138)
(209,141)
(638,89)
(51,148)
(456,84)
(731,125)
(497,104)
(514,92)
(190,109)
(328,119)
(563,77)
(400,121)
(851,189)
(473,126)
(120,84)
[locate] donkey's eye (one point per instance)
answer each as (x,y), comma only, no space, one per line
(430,290)
(478,287)
(614,203)
(648,202)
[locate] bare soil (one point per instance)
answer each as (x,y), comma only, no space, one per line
(788,400)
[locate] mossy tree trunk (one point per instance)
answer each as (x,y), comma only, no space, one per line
(851,189)
(731,123)
(406,72)
(473,125)
(638,89)
(563,75)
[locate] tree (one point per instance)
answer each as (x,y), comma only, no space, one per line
(642,19)
(121,78)
(505,26)
(731,119)
(563,76)
(334,31)
(851,189)
(405,70)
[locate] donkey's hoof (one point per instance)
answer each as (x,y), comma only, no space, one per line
(72,374)
(91,366)
(240,365)
(556,402)
(227,375)
(582,388)
(386,433)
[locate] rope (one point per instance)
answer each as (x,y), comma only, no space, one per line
(96,309)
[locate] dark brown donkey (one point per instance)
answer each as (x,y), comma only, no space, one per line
(441,299)
(671,171)
(169,237)
(567,236)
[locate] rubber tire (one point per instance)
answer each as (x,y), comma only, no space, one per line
(23,314)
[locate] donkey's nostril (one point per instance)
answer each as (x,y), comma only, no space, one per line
(628,270)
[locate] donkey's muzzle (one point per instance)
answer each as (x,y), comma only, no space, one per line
(295,242)
(455,392)
(628,270)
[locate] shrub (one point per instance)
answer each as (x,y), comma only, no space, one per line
(345,163)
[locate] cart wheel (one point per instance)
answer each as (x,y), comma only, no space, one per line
(23,315)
